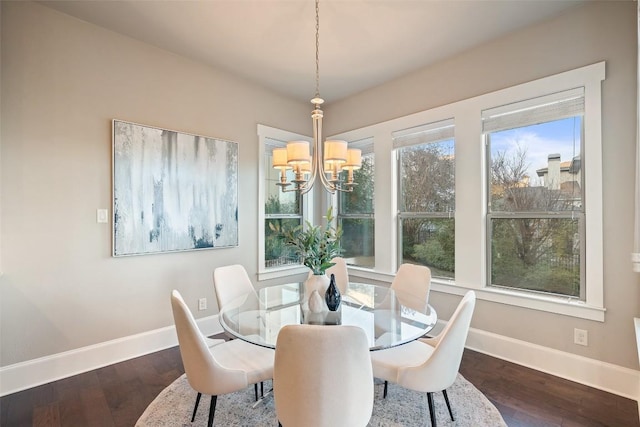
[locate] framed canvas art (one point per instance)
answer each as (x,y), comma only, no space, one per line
(172,191)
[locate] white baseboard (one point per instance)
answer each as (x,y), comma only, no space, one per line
(601,375)
(593,373)
(24,375)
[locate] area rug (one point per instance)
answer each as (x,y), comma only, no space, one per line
(402,408)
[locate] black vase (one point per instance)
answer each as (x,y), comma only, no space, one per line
(332,296)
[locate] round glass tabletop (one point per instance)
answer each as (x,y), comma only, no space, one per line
(388,318)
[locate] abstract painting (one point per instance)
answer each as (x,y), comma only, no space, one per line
(172,191)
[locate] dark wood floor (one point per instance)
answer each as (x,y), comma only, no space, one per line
(117,395)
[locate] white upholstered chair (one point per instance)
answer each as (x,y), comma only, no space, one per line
(428,365)
(412,284)
(224,368)
(339,270)
(322,376)
(230,282)
(212,341)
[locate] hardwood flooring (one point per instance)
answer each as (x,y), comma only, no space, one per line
(526,397)
(116,395)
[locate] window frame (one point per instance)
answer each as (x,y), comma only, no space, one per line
(269,133)
(592,307)
(272,144)
(572,214)
(403,214)
(366,145)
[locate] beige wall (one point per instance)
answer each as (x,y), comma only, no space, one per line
(63,81)
(596,32)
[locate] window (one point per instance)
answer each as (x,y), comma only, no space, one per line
(281,209)
(426,196)
(535,220)
(287,209)
(356,211)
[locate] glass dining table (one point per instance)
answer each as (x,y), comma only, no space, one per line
(389,318)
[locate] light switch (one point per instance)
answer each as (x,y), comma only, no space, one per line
(102,216)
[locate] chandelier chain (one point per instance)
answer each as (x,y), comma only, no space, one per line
(307,167)
(317,49)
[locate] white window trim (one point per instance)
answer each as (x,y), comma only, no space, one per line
(264,273)
(471,194)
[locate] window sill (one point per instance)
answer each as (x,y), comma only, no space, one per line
(369,274)
(278,272)
(547,303)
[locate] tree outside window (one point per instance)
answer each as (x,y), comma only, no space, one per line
(426,167)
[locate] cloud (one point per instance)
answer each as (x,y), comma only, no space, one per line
(537,146)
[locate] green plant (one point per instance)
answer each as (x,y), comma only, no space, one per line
(313,244)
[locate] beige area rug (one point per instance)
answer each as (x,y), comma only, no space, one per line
(402,408)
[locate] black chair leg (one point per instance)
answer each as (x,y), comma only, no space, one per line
(212,410)
(384,393)
(255,389)
(195,408)
(262,389)
(446,399)
(432,411)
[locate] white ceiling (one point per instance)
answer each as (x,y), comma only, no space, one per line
(363,43)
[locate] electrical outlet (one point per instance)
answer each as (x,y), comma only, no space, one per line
(202,304)
(580,337)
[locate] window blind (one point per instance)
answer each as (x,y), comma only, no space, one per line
(423,134)
(271,143)
(365,145)
(542,109)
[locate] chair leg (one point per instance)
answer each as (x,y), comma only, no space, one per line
(432,411)
(446,399)
(212,410)
(384,393)
(195,408)
(255,389)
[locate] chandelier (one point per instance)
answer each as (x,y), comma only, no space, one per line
(327,161)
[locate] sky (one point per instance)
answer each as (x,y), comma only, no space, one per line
(560,136)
